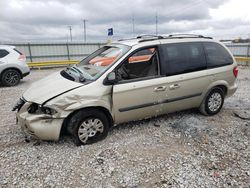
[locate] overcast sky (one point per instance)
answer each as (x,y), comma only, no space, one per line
(47,20)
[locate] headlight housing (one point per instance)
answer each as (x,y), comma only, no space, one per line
(38,109)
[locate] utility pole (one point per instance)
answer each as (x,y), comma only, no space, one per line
(84,27)
(133,25)
(156,24)
(70,33)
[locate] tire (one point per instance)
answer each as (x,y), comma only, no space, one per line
(88,126)
(213,102)
(10,77)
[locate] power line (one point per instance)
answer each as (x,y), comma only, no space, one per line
(179,10)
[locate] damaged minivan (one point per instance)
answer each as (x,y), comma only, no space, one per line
(129,80)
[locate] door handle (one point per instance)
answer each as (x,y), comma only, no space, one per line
(174,86)
(161,88)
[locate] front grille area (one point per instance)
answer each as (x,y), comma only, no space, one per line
(19,104)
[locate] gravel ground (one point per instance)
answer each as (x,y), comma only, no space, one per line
(183,149)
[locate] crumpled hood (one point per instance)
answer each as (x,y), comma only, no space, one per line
(49,87)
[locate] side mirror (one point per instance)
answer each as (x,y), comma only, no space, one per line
(110,79)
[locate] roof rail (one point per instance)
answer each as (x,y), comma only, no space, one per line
(126,39)
(145,38)
(149,36)
(187,36)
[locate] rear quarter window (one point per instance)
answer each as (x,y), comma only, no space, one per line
(217,55)
(3,53)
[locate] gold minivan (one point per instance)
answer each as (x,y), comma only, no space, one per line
(142,77)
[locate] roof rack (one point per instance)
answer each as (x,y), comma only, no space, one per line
(145,38)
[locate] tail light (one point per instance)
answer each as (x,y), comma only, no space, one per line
(22,57)
(235,71)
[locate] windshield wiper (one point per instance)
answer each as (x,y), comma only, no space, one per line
(75,69)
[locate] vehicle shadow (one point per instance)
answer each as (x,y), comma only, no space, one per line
(155,120)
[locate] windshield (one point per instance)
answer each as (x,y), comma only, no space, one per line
(93,66)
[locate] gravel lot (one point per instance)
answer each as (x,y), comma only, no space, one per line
(184,149)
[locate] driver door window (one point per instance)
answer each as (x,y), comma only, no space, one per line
(141,64)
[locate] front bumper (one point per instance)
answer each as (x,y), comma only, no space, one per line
(25,74)
(40,126)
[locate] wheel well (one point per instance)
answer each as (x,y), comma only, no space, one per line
(104,110)
(224,89)
(21,75)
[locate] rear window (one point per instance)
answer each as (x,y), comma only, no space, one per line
(3,53)
(182,58)
(217,55)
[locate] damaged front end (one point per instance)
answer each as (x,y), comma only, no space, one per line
(38,121)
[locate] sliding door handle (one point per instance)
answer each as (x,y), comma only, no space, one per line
(174,86)
(161,88)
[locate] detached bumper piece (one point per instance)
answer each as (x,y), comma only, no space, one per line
(19,104)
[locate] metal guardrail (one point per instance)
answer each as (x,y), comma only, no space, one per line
(242,59)
(70,62)
(51,63)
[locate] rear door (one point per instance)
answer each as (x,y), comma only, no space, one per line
(184,67)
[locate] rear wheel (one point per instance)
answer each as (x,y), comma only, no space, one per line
(88,126)
(213,102)
(10,77)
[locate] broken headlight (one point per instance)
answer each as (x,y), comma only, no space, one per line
(38,109)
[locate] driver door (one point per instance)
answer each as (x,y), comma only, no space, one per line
(139,88)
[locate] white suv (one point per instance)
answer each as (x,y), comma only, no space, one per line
(129,80)
(13,65)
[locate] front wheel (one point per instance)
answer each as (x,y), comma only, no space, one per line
(213,102)
(88,126)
